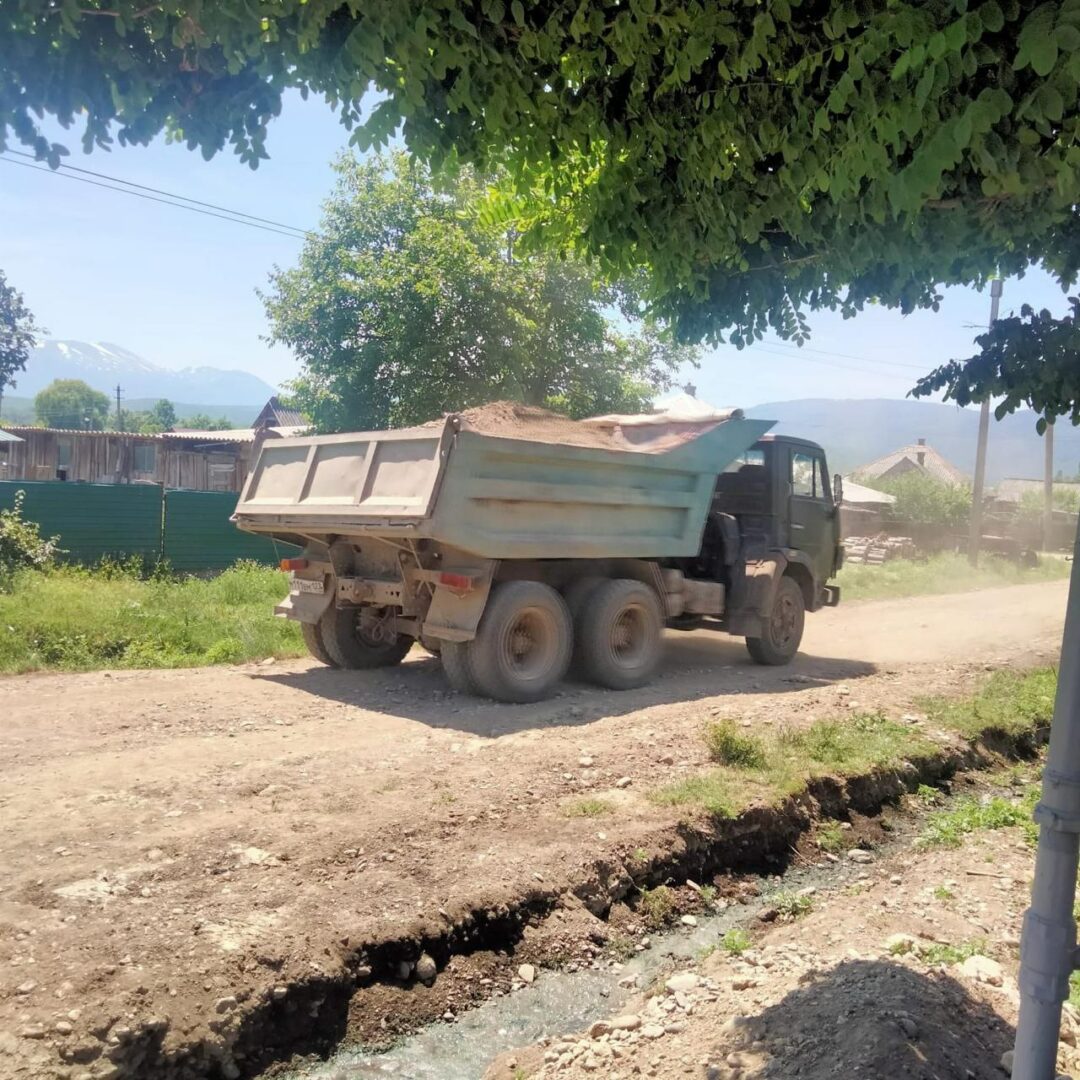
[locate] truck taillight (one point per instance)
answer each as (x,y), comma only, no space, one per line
(461,582)
(294,564)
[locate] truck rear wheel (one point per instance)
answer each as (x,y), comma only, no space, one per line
(522,646)
(314,642)
(783,630)
(619,634)
(349,646)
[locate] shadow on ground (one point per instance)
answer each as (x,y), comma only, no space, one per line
(694,667)
(867,1020)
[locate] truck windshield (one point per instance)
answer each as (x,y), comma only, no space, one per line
(753,456)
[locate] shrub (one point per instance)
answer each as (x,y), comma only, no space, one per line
(21,544)
(728,747)
(923,500)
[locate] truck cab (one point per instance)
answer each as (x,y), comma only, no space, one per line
(772,539)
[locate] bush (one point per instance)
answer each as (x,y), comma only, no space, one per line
(728,747)
(21,544)
(922,500)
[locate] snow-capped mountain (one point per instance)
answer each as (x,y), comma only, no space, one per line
(103,365)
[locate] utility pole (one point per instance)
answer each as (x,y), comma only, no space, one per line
(119,414)
(1048,941)
(975,535)
(1048,486)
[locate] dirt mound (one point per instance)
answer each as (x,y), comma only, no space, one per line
(514,421)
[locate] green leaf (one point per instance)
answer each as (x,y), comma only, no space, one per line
(517,9)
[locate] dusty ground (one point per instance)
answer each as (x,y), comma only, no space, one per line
(860,987)
(182,850)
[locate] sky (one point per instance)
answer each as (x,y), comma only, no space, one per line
(179,288)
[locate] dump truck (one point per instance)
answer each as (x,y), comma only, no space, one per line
(519,551)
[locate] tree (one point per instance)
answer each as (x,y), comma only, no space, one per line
(759,160)
(70,403)
(409,303)
(163,415)
(202,422)
(922,499)
(18,333)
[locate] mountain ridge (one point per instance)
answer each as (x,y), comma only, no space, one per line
(104,364)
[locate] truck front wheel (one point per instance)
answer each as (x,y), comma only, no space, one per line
(783,629)
(619,634)
(522,646)
(350,646)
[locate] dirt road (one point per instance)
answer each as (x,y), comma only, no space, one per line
(181,846)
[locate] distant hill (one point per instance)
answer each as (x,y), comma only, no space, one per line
(857,432)
(20,410)
(103,365)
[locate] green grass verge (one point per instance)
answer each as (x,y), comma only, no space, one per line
(1009,704)
(945,573)
(763,769)
(78,619)
(777,765)
(947,828)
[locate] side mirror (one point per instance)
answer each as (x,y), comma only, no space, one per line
(838,489)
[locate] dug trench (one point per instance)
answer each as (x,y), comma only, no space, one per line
(384,989)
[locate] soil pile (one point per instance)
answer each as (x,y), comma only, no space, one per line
(510,420)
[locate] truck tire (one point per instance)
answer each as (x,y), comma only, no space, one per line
(620,634)
(314,642)
(455,664)
(523,643)
(783,630)
(347,647)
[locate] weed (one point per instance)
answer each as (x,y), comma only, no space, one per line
(736,941)
(1009,704)
(947,828)
(943,892)
(620,947)
(77,619)
(710,792)
(727,746)
(588,806)
(640,855)
(707,893)
(830,837)
(927,795)
(941,952)
(656,906)
(790,905)
(704,953)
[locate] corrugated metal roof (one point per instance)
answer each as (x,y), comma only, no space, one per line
(8,437)
(237,435)
(30,429)
(1013,488)
(856,494)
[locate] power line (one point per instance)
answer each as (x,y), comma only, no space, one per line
(168,194)
(845,367)
(848,356)
(153,198)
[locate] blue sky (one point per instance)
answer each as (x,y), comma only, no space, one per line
(179,288)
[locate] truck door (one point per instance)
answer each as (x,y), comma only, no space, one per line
(811,514)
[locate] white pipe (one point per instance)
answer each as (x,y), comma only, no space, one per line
(1048,942)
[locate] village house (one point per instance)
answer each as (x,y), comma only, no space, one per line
(195,460)
(917,458)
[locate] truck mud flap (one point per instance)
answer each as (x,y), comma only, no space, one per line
(304,607)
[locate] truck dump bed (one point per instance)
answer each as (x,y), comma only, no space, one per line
(500,497)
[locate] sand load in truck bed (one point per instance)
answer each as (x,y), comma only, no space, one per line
(503,482)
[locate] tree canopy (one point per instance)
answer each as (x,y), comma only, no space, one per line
(18,333)
(759,160)
(71,404)
(408,303)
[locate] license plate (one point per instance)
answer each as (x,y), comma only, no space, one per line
(305,585)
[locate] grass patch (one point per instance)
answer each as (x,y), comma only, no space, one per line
(656,906)
(587,807)
(927,795)
(727,746)
(944,573)
(947,828)
(943,892)
(736,941)
(78,619)
(942,952)
(790,905)
(830,837)
(787,759)
(1009,703)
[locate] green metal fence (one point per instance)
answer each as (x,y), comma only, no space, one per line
(92,520)
(189,529)
(197,533)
